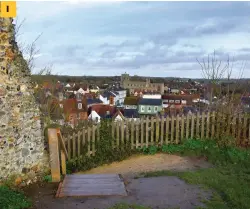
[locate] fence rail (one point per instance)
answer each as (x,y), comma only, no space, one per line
(159,131)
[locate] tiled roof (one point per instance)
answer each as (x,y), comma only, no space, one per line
(156,102)
(102,109)
(91,101)
(131,100)
(108,94)
(131,113)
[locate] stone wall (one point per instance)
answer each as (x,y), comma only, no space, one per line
(22,146)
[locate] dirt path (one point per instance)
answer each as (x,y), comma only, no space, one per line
(157,193)
(143,163)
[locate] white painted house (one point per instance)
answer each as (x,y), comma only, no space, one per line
(94,116)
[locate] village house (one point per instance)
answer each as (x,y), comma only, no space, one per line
(74,109)
(149,106)
(131,102)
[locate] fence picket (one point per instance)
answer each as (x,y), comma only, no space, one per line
(93,140)
(117,124)
(157,131)
(202,125)
(167,130)
(198,125)
(147,124)
(213,124)
(172,128)
(78,143)
(74,145)
(182,127)
(208,125)
(69,141)
(192,126)
(113,133)
(152,131)
(142,133)
(187,126)
(89,142)
(177,129)
(132,134)
(122,133)
(83,138)
(137,135)
(162,130)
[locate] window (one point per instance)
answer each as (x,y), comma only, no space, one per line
(165,101)
(61,105)
(177,101)
(142,109)
(79,105)
(156,109)
(149,108)
(171,101)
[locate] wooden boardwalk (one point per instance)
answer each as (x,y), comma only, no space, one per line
(89,185)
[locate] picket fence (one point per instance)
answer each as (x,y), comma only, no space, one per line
(159,131)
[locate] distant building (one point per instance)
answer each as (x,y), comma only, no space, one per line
(127,83)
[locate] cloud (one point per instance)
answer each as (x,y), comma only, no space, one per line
(156,38)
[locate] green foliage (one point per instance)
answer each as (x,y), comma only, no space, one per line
(104,152)
(47,178)
(10,199)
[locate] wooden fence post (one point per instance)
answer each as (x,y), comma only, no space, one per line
(54,155)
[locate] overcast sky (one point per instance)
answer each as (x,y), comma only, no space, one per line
(142,38)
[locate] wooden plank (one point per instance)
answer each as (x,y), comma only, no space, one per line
(162,131)
(69,142)
(110,192)
(202,125)
(92,185)
(92,176)
(63,162)
(234,127)
(74,145)
(132,134)
(182,127)
(245,128)
(213,125)
(83,138)
(192,126)
(208,125)
(147,125)
(172,129)
(198,135)
(177,129)
(239,126)
(122,134)
(113,133)
(89,142)
(157,131)
(54,155)
(117,124)
(167,130)
(152,131)
(93,140)
(142,133)
(127,132)
(187,126)
(137,134)
(79,143)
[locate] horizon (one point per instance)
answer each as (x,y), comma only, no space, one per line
(151,39)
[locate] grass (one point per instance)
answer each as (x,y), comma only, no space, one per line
(229,179)
(10,199)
